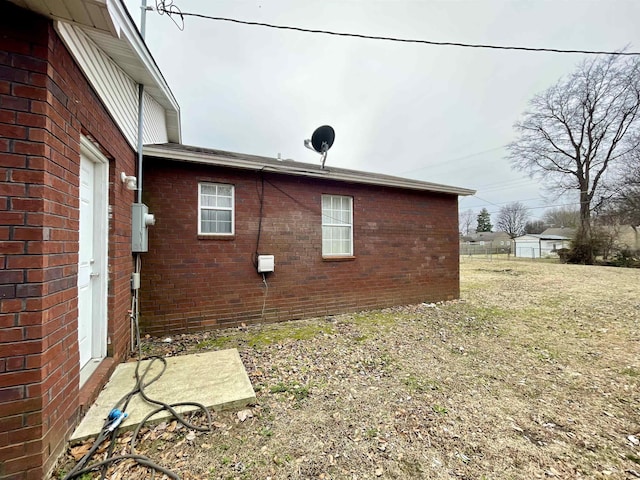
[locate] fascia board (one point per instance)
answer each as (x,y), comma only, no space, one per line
(327,174)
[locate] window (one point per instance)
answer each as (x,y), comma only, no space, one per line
(215,209)
(337,225)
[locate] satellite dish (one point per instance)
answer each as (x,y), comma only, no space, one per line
(321,141)
(323,138)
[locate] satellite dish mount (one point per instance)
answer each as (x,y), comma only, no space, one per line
(321,141)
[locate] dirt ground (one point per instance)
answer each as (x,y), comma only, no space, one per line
(534,373)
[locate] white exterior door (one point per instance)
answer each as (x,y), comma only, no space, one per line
(92,260)
(85,260)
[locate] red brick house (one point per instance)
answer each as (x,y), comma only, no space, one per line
(70,72)
(341,240)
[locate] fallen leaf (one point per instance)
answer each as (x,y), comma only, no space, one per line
(244,414)
(80,451)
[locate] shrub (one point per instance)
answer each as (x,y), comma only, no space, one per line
(563,254)
(626,258)
(582,252)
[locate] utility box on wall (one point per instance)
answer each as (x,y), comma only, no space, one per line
(140,221)
(266,263)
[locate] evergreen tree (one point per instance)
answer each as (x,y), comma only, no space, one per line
(484,221)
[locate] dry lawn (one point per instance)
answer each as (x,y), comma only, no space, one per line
(534,373)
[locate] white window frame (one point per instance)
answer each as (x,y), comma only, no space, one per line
(338,225)
(232,209)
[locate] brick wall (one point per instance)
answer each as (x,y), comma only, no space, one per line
(405,245)
(45,106)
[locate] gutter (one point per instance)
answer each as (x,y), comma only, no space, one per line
(255,163)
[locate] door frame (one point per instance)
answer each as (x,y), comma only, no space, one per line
(101,243)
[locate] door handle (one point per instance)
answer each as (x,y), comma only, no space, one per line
(94,275)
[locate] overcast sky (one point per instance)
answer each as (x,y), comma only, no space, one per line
(439,114)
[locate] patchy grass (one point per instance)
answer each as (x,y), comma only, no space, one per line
(287,332)
(216,343)
(534,373)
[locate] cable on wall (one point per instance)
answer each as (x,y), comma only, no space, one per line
(266,292)
(261,198)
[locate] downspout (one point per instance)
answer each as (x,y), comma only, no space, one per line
(143,27)
(140,133)
(135,327)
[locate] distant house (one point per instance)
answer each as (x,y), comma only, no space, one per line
(624,237)
(545,244)
(485,242)
(628,237)
(566,232)
(340,240)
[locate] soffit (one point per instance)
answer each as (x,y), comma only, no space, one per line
(186,153)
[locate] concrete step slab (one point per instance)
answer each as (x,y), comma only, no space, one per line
(215,379)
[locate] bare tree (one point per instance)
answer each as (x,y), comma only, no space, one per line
(512,219)
(466,221)
(562,217)
(579,132)
(534,226)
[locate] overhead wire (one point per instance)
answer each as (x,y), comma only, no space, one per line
(445,162)
(170,9)
(538,207)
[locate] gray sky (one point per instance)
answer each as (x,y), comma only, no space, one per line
(439,114)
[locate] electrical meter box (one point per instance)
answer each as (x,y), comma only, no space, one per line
(266,263)
(140,221)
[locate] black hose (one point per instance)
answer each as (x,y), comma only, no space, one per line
(122,404)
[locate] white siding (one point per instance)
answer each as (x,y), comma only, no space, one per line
(117,90)
(155,122)
(548,246)
(527,247)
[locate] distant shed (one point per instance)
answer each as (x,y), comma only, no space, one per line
(542,245)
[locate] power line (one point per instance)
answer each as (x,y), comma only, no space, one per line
(471,207)
(509,185)
(453,159)
(538,207)
(173,11)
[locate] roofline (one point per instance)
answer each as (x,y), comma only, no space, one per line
(120,26)
(539,236)
(256,163)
